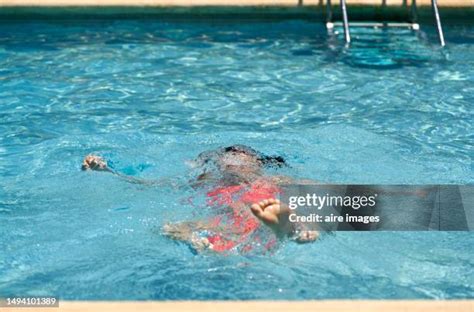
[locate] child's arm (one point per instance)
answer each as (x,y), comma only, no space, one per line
(97,163)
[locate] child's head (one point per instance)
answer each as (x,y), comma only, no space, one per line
(239,160)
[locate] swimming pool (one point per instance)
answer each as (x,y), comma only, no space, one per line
(149,95)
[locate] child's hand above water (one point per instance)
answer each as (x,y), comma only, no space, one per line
(92,162)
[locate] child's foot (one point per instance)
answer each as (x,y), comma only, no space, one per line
(268,211)
(275,215)
(92,162)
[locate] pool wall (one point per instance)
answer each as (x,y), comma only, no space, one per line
(357,12)
(457,11)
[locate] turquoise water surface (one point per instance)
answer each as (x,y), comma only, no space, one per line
(150,95)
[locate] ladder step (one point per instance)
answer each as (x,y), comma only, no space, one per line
(414,26)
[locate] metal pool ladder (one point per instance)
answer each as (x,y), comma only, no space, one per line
(413,25)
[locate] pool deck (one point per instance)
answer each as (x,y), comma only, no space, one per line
(193,3)
(275,306)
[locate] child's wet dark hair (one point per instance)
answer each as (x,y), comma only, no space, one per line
(266,161)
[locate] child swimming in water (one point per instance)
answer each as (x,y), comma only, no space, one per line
(241,189)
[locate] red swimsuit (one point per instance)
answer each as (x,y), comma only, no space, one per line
(242,221)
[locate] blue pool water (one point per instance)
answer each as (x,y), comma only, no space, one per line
(149,95)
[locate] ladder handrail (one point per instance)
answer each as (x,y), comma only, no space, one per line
(347,34)
(434,4)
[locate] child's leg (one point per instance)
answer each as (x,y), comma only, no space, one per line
(188,232)
(183,230)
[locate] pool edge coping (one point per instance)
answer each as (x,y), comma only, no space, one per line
(222,3)
(276,306)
